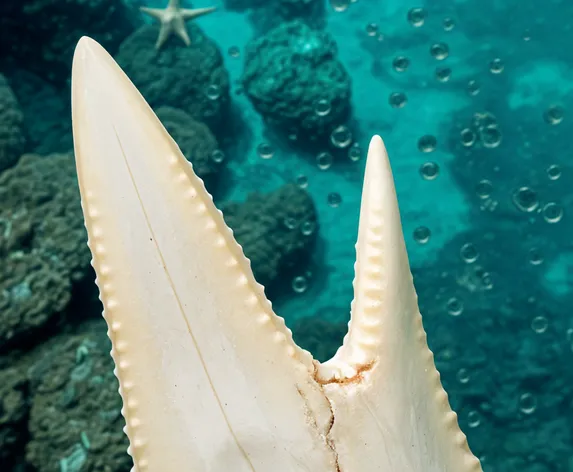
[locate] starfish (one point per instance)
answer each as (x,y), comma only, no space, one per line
(210,377)
(173,19)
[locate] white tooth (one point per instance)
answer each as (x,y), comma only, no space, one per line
(210,377)
(394,412)
(211,388)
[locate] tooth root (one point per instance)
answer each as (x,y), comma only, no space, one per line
(395,377)
(209,375)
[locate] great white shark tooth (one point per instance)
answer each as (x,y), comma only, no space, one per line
(210,377)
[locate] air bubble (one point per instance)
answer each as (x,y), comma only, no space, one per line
(490,136)
(454,306)
(467,137)
(299,284)
(552,212)
(341,137)
(448,24)
(324,160)
(322,107)
(527,403)
(372,29)
(307,228)
(496,66)
(339,5)
(427,143)
(525,199)
(473,88)
(443,74)
(213,92)
(217,156)
(334,199)
(484,188)
(355,152)
(539,324)
(439,51)
(553,172)
(400,63)
(469,253)
(416,17)
(397,100)
(422,234)
(265,151)
(429,170)
(554,115)
(302,181)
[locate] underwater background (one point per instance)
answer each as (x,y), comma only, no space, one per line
(274,103)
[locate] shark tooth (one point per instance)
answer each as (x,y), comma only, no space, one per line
(210,377)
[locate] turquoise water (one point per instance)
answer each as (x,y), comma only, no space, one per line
(281,98)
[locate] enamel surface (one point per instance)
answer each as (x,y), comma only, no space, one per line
(210,377)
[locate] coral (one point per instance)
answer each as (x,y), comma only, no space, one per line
(42,243)
(196,142)
(13,410)
(192,78)
(277,231)
(12,139)
(295,81)
(46,111)
(268,15)
(75,420)
(40,35)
